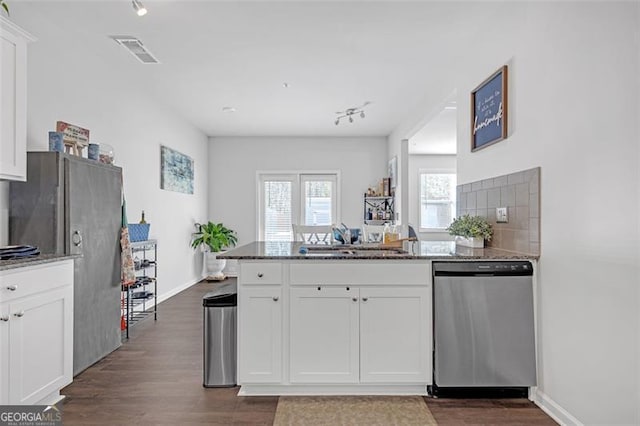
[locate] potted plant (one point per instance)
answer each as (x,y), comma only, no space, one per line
(471,231)
(212,238)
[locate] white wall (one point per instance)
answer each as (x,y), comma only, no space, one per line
(574,112)
(418,162)
(234,161)
(70,84)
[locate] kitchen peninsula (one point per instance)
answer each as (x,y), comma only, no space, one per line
(338,320)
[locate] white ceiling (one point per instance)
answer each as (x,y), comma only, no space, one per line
(438,136)
(333,54)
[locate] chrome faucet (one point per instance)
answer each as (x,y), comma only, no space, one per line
(345,233)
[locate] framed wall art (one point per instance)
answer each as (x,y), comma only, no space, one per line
(176,171)
(489,111)
(393,172)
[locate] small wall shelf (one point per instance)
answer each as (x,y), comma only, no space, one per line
(378,210)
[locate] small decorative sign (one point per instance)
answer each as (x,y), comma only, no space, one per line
(176,171)
(75,137)
(489,111)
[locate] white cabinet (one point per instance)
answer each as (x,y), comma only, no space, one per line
(334,327)
(324,335)
(260,334)
(36,333)
(395,325)
(13,101)
(360,335)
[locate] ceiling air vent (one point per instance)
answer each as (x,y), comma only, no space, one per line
(136,48)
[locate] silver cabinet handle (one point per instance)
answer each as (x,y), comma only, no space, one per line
(355,299)
(4,318)
(19,314)
(76,238)
(275,298)
(364,299)
(12,287)
(260,274)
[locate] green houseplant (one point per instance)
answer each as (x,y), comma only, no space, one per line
(212,238)
(471,231)
(5,6)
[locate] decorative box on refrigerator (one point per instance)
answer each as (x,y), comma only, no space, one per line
(71,205)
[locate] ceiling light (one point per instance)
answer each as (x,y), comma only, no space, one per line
(285,85)
(139,7)
(350,112)
(228,109)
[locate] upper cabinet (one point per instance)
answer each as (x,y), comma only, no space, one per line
(13,100)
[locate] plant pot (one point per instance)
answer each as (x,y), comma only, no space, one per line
(475,242)
(213,266)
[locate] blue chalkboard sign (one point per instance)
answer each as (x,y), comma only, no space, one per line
(489,111)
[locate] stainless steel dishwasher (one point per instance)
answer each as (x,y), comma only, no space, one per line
(483,327)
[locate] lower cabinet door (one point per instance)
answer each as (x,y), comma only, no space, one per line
(324,335)
(395,330)
(260,335)
(40,345)
(4,353)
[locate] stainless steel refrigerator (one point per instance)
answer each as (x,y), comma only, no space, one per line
(71,205)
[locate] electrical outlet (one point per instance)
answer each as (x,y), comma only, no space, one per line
(501,215)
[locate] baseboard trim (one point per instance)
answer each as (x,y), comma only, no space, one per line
(554,410)
(324,390)
(164,296)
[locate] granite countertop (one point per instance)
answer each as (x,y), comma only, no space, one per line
(429,250)
(35,260)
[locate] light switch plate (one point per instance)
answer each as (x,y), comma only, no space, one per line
(501,215)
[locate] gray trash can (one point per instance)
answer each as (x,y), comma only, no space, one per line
(220,312)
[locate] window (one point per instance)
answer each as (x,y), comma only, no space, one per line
(437,200)
(295,198)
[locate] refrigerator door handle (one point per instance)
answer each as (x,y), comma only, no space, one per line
(76,238)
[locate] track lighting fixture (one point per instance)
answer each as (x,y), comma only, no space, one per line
(350,112)
(139,7)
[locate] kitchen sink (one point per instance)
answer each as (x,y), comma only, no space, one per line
(356,251)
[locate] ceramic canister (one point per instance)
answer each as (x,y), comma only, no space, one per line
(94,151)
(56,141)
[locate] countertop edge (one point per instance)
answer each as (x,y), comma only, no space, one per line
(36,260)
(512,256)
(260,250)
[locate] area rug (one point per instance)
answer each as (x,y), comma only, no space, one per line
(352,410)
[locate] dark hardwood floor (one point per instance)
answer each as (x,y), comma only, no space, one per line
(156,378)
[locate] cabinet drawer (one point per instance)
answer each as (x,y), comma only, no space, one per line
(19,282)
(386,272)
(261,273)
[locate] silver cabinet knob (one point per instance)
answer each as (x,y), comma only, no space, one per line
(19,314)
(275,298)
(76,238)
(12,287)
(364,299)
(355,299)
(4,318)
(260,274)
